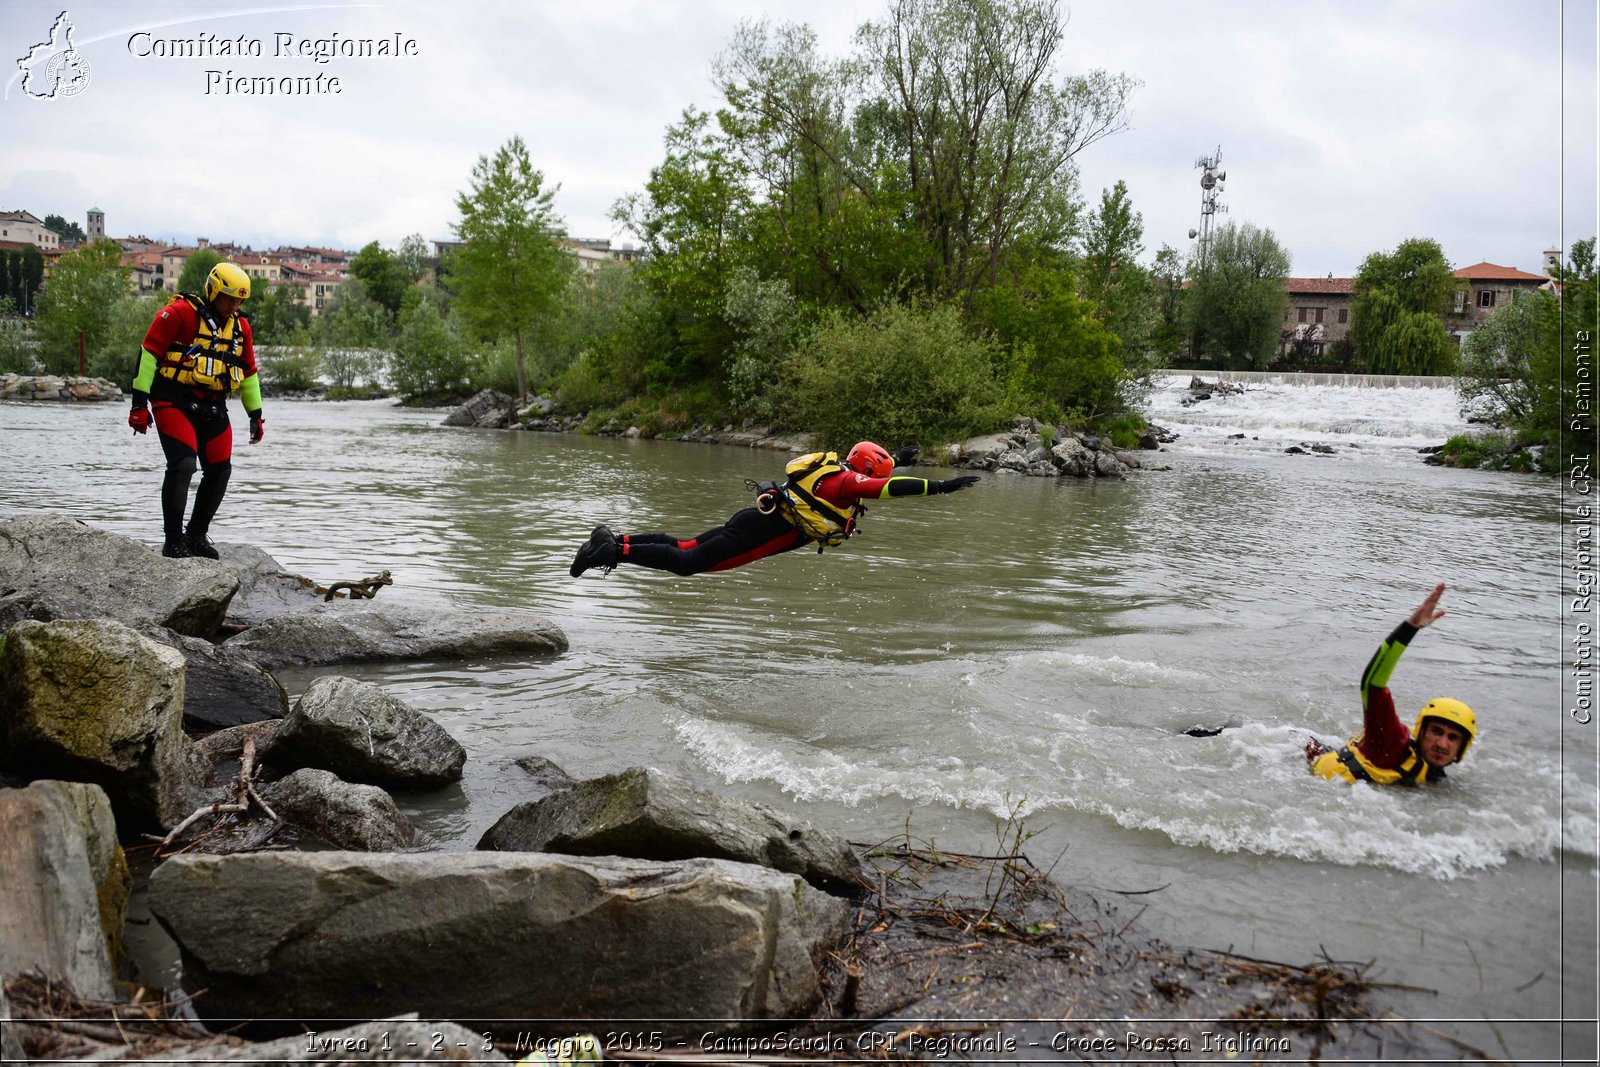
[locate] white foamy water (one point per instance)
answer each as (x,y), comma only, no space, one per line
(1272,415)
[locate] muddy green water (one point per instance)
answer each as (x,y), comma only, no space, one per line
(1033,643)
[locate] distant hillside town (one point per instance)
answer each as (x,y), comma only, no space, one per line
(314,273)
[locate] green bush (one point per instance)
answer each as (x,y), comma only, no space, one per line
(291,368)
(582,388)
(905,373)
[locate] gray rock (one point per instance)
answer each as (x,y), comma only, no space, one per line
(1107,465)
(1129,460)
(354,633)
(983,453)
(266,590)
(1071,458)
(360,732)
(1014,460)
(649,815)
(52,918)
(366,935)
(401,1040)
(546,774)
(489,410)
(362,818)
(55,568)
(221,687)
(95,701)
(219,753)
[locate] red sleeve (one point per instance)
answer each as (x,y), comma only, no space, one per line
(846,487)
(1384,736)
(176,320)
(248,351)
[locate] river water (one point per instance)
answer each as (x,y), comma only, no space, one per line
(1030,645)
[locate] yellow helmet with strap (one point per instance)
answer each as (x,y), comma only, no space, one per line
(226,279)
(1450,710)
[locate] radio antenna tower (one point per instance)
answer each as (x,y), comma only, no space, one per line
(1212,179)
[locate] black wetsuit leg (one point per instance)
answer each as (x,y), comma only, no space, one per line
(746,537)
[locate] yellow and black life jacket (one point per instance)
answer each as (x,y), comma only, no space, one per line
(1348,763)
(796,498)
(212,360)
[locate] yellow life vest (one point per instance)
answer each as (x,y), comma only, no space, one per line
(1349,763)
(212,360)
(797,501)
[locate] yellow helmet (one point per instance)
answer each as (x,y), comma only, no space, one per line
(227,280)
(1451,711)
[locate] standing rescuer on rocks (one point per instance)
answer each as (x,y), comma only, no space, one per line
(195,353)
(819,501)
(1385,752)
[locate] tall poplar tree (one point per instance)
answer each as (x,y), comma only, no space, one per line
(510,271)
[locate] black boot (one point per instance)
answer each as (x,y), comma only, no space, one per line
(178,549)
(601,550)
(213,484)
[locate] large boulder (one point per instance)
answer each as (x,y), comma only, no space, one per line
(51,841)
(354,633)
(1072,458)
(489,410)
(493,935)
(649,815)
(222,688)
(55,568)
(95,701)
(360,818)
(360,732)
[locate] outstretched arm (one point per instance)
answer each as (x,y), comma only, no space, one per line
(1384,736)
(847,487)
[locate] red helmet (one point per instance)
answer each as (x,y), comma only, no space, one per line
(870,459)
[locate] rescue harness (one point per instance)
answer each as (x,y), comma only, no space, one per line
(212,361)
(796,500)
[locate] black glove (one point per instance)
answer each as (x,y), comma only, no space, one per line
(906,456)
(951,485)
(258,429)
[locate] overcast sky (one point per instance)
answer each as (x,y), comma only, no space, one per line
(1345,127)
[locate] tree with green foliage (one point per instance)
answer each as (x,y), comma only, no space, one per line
(69,232)
(275,312)
(383,273)
(763,313)
(18,350)
(85,289)
(1111,275)
(693,220)
(1520,366)
(1395,314)
(510,272)
(1168,338)
(1061,352)
(430,358)
(1237,304)
(196,268)
(25,276)
(353,332)
(416,257)
(904,373)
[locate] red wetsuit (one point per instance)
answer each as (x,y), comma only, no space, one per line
(193,420)
(748,535)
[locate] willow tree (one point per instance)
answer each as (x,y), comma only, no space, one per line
(510,271)
(1395,314)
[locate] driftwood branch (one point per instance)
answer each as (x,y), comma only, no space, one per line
(365,589)
(244,793)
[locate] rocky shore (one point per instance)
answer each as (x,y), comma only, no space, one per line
(56,387)
(139,716)
(1029,447)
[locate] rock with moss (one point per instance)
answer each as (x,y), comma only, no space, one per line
(361,733)
(96,701)
(360,935)
(64,884)
(55,568)
(643,813)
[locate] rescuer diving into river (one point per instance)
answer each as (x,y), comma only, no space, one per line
(819,501)
(1385,752)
